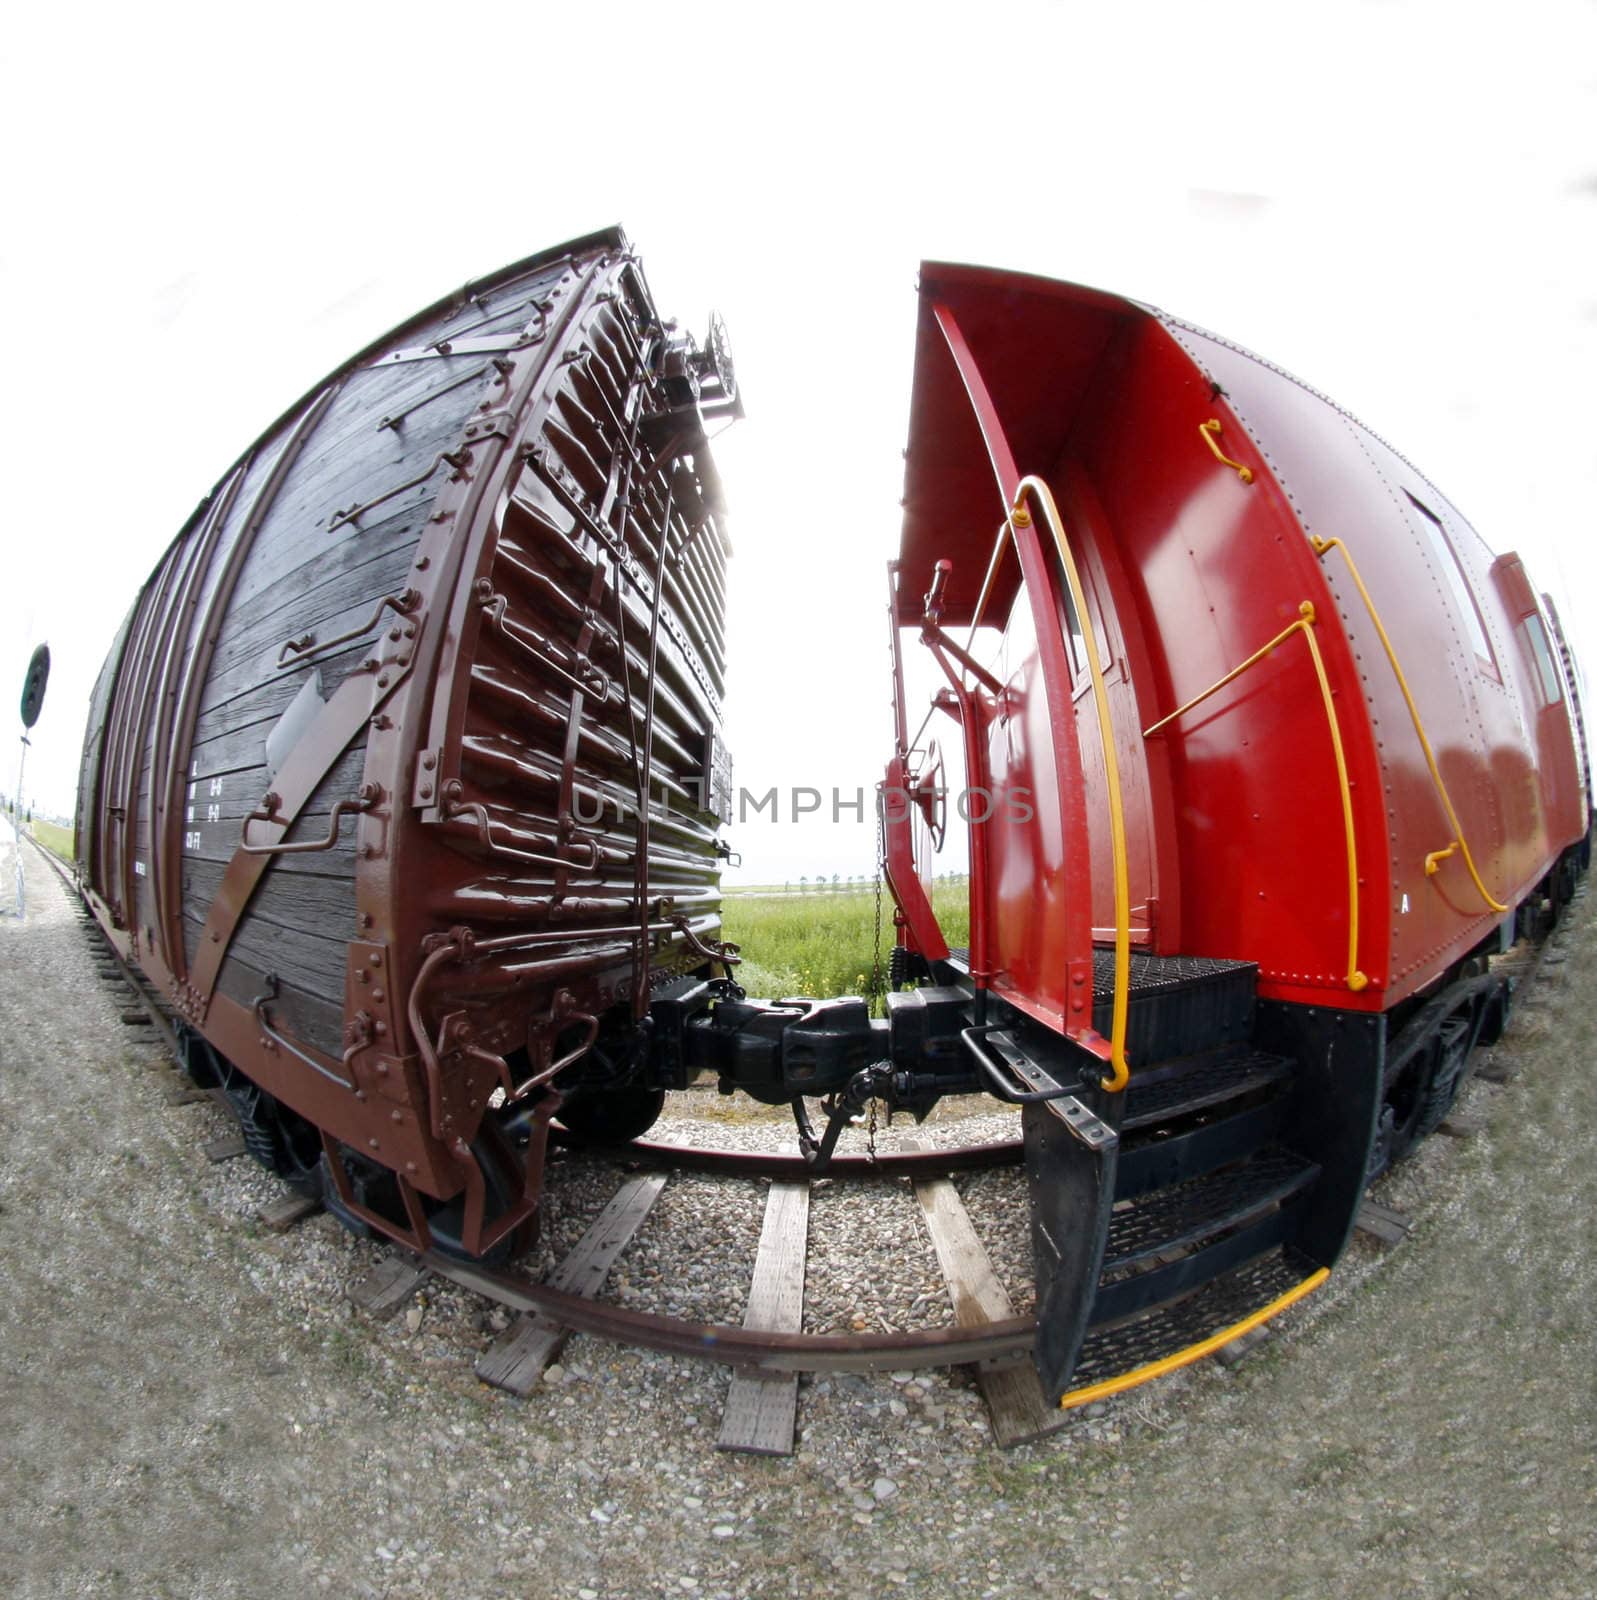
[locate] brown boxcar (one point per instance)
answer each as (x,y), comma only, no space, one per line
(403,775)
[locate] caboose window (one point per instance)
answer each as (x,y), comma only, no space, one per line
(1542,655)
(1070,622)
(1441,546)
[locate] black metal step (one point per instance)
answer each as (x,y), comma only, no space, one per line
(1159,1159)
(1186,1213)
(1179,1005)
(1111,1351)
(1177,1089)
(1135,1293)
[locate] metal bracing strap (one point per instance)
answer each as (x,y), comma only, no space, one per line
(1458,842)
(358,699)
(1305,625)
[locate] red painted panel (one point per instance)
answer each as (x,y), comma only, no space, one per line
(1235,813)
(1144,776)
(1217,568)
(1028,863)
(1511,779)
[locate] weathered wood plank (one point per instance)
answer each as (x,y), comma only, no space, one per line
(1228,1355)
(1014,1397)
(973,1286)
(517,1360)
(287,1209)
(761,1410)
(387,1287)
(226,1148)
(1382,1222)
(184,1094)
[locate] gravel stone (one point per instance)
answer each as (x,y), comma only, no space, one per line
(189,1404)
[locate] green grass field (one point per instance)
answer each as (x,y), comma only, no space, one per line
(58,841)
(816,944)
(820,944)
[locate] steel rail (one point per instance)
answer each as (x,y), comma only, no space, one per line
(756,1348)
(134,976)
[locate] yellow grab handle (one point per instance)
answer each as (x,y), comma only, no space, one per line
(1210,431)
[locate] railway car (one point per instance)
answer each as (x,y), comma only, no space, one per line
(1272,755)
(405,778)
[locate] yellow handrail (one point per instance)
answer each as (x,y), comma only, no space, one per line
(1193,1352)
(1305,624)
(1120,1073)
(1321,547)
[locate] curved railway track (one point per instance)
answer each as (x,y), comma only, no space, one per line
(771,1348)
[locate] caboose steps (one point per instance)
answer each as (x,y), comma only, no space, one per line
(1185,1214)
(1212,1201)
(1198,1083)
(1123,1354)
(1179,1005)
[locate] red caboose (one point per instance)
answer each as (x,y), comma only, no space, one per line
(1266,754)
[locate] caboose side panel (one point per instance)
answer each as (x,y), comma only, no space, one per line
(1438,593)
(1215,570)
(1188,572)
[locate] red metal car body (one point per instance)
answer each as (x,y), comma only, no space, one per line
(1196,485)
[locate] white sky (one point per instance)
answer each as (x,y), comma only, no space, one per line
(202,211)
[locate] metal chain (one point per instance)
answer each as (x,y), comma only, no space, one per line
(876,963)
(876,940)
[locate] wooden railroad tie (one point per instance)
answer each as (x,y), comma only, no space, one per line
(1382,1222)
(183,1093)
(1013,1392)
(387,1288)
(517,1360)
(287,1209)
(1228,1355)
(226,1148)
(762,1408)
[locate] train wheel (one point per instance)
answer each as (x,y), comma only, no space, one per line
(376,1190)
(613,1116)
(906,966)
(279,1139)
(502,1174)
(1406,1103)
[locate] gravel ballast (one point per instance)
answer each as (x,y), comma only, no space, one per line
(191,1406)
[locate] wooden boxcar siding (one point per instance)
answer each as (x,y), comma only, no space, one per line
(572,543)
(300,575)
(305,576)
(561,558)
(89,831)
